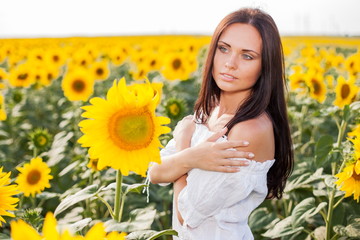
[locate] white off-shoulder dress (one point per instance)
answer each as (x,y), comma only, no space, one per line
(215,205)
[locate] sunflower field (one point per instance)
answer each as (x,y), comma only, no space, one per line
(81,120)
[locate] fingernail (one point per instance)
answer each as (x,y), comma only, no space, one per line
(251,155)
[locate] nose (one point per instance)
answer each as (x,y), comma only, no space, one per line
(231,63)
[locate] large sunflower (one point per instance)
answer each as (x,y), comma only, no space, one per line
(7,199)
(34,177)
(78,85)
(345,91)
(122,131)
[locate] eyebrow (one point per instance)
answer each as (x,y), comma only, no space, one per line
(244,50)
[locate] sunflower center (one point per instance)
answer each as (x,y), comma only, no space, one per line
(23,76)
(176,63)
(153,63)
(99,71)
(316,85)
(78,85)
(356,176)
(345,91)
(49,76)
(41,140)
(174,109)
(33,177)
(55,58)
(132,131)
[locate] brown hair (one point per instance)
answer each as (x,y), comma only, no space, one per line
(268,93)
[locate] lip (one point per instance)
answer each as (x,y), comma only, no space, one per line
(227,77)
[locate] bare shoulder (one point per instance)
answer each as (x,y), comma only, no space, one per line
(259,133)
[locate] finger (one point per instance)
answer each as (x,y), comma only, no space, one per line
(217,135)
(234,163)
(232,144)
(237,154)
(227,169)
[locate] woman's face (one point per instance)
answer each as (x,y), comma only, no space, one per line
(237,60)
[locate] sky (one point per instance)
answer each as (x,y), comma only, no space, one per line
(67,18)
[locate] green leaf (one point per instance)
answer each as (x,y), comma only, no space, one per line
(282,228)
(58,147)
(297,215)
(140,219)
(303,180)
(71,200)
(80,225)
(305,210)
(351,230)
(323,146)
(261,218)
(149,234)
(137,187)
(4,236)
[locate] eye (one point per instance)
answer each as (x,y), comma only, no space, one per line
(222,49)
(247,57)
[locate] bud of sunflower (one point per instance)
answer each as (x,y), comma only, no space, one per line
(32,217)
(39,139)
(175,108)
(17,96)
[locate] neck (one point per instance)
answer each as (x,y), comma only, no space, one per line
(229,103)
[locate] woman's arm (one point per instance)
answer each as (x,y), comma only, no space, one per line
(208,155)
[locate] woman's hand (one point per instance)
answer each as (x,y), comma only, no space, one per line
(215,156)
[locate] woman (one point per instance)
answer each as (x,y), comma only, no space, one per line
(241,98)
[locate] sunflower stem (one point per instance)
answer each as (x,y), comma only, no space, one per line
(118,196)
(331,205)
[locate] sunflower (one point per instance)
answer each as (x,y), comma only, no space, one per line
(139,71)
(118,55)
(78,85)
(349,180)
(100,70)
(298,83)
(56,57)
(345,91)
(352,64)
(122,131)
(39,139)
(176,67)
(51,72)
(21,76)
(7,192)
(175,108)
(3,115)
(3,77)
(21,230)
(34,177)
(315,82)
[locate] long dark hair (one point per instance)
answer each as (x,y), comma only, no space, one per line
(268,93)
